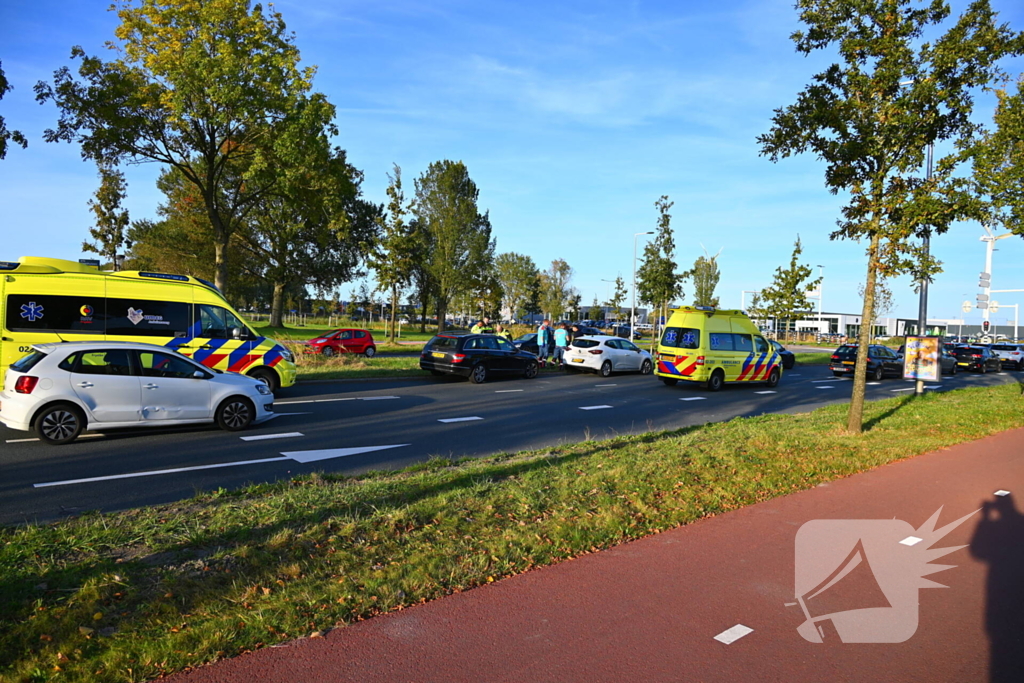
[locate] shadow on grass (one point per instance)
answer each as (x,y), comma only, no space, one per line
(900,405)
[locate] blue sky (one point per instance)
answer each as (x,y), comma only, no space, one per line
(572,117)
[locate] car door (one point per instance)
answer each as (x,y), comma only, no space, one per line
(631,356)
(509,362)
(104,381)
(170,389)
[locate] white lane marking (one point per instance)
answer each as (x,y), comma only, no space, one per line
(1000,373)
(910,540)
(328,453)
(819,381)
(291,403)
(794,374)
(694,398)
(263,437)
(826,386)
(378,398)
(286,414)
(731,635)
(934,386)
(152,473)
(766,392)
(606,385)
(331,400)
(594,407)
(507,391)
(319,400)
(459,419)
(904,389)
(873,384)
(1001,492)
(80,436)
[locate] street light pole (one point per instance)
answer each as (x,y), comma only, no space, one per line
(922,305)
(632,309)
(821,297)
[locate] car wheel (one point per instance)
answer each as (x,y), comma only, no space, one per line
(531,370)
(983,368)
(876,375)
(646,368)
(773,377)
(953,371)
(268,377)
(370,351)
(1020,365)
(59,424)
(327,352)
(235,414)
(669,381)
(606,368)
(479,374)
(716,381)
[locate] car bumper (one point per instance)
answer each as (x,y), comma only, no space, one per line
(15,414)
(588,362)
(287,371)
(446,368)
(264,409)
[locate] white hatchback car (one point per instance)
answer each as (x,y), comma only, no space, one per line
(59,390)
(605,355)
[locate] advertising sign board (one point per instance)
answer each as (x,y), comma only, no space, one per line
(921,359)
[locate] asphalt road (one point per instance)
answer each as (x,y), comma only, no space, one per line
(353,427)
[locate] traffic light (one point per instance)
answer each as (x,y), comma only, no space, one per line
(984,326)
(985,280)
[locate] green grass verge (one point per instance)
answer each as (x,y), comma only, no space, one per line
(132,595)
(811,358)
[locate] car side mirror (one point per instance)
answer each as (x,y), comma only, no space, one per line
(236,333)
(198,374)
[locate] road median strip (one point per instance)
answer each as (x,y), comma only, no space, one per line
(146,592)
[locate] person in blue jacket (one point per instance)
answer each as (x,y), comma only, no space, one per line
(545,341)
(561,344)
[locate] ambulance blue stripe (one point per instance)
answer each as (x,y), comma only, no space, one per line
(202,354)
(243,350)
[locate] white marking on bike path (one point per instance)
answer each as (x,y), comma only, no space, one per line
(264,437)
(594,407)
(694,398)
(460,419)
(731,635)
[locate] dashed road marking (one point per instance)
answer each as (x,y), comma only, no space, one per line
(460,419)
(766,392)
(507,391)
(264,437)
(694,398)
(606,385)
(873,384)
(594,407)
(826,386)
(731,635)
(153,473)
(318,400)
(377,398)
(903,389)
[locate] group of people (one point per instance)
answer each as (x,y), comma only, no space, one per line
(485,327)
(552,341)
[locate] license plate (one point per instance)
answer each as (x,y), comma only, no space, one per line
(577,360)
(665,356)
(963,363)
(849,362)
(438,354)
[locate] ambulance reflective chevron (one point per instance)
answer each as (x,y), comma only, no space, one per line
(50,300)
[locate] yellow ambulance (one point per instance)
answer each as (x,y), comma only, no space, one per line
(50,300)
(701,344)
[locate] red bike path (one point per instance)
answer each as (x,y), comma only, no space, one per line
(649,610)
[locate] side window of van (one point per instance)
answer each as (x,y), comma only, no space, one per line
(51,313)
(720,341)
(742,342)
(217,323)
(760,345)
(146,318)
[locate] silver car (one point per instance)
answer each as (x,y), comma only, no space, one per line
(1010,355)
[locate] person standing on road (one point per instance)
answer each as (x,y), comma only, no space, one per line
(544,341)
(502,332)
(561,343)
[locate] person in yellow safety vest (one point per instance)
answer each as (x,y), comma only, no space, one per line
(502,332)
(478,327)
(488,328)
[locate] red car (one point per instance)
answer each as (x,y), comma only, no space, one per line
(343,341)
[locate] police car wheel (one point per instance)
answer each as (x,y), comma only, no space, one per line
(370,351)
(268,377)
(773,377)
(59,424)
(479,374)
(646,368)
(235,414)
(716,381)
(606,368)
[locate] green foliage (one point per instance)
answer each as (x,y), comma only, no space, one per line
(705,278)
(517,275)
(111,220)
(998,161)
(204,87)
(392,258)
(618,297)
(658,284)
(786,298)
(884,299)
(871,116)
(7,136)
(555,290)
(460,249)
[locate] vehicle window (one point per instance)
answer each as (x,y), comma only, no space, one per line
(526,338)
(68,364)
(718,341)
(33,313)
(1003,347)
(505,345)
(26,363)
(846,352)
(346,334)
(761,346)
(585,343)
(144,318)
(681,337)
(232,321)
(212,324)
(489,343)
(627,345)
(360,334)
(742,342)
(613,344)
(112,362)
(443,343)
(156,364)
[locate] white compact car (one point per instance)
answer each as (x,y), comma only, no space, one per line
(59,390)
(606,355)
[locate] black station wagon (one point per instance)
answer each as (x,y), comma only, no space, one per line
(476,356)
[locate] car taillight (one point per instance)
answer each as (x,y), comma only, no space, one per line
(1015,353)
(26,384)
(700,360)
(595,351)
(458,357)
(835,357)
(976,355)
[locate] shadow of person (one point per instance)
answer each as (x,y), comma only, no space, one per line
(999,540)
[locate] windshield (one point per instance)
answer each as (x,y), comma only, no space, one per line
(584,343)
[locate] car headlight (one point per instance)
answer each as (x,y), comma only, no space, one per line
(287,355)
(264,389)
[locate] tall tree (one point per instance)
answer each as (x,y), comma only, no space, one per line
(871,117)
(109,232)
(460,236)
(618,297)
(204,87)
(7,136)
(658,284)
(705,277)
(786,298)
(392,257)
(595,312)
(517,275)
(555,289)
(998,161)
(884,299)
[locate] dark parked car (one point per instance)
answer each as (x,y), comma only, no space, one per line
(882,361)
(978,358)
(476,356)
(787,356)
(528,343)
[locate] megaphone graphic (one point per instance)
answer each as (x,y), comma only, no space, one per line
(851,586)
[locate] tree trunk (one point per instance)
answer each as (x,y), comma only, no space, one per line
(855,418)
(425,302)
(277,305)
(394,311)
(441,313)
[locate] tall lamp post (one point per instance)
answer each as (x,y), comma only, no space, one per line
(922,306)
(821,295)
(632,309)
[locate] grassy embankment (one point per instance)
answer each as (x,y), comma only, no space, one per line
(136,594)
